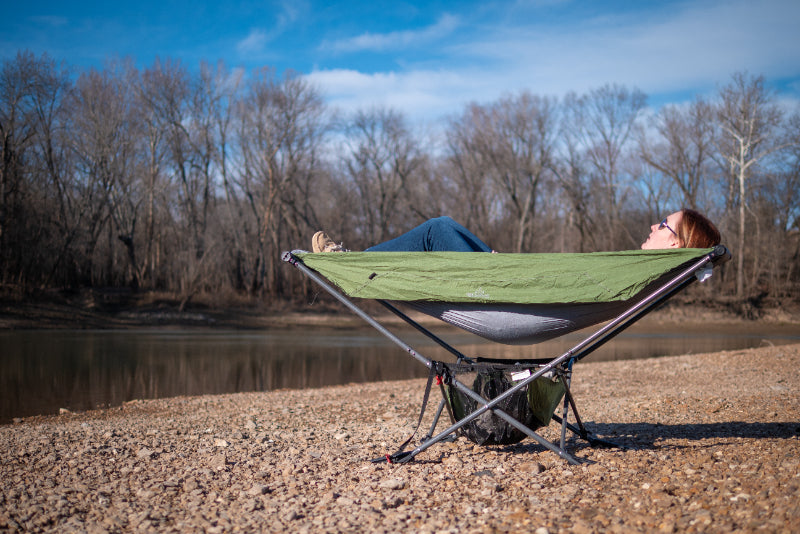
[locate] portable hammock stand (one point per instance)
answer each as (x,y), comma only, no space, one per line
(498,409)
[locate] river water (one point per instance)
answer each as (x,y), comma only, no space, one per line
(43,371)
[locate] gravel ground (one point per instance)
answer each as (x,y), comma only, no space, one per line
(711,445)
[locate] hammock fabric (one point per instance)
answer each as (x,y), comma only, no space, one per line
(478,277)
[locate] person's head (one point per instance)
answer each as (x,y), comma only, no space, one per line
(683,229)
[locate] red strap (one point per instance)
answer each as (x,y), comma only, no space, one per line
(388,459)
(438,380)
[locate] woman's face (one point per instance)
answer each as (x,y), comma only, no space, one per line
(662,234)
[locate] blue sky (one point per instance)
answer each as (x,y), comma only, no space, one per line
(430,58)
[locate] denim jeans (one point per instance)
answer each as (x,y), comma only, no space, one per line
(434,235)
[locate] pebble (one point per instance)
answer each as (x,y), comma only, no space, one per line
(299,460)
(393,484)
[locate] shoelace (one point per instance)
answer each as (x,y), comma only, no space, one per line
(336,248)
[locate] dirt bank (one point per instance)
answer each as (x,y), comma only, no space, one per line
(712,445)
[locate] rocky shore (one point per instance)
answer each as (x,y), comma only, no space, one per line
(711,444)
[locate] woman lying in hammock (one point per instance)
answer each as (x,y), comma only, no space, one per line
(683,229)
(523,323)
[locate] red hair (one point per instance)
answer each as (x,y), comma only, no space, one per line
(696,231)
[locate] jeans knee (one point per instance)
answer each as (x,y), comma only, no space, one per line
(441,222)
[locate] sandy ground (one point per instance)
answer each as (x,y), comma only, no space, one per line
(711,443)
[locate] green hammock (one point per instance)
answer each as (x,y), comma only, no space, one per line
(480,277)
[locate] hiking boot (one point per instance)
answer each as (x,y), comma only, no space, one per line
(322,243)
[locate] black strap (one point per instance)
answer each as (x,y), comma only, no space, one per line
(436,369)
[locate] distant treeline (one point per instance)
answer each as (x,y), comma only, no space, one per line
(194,181)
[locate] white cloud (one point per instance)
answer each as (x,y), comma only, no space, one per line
(254,42)
(701,44)
(291,10)
(258,38)
(710,42)
(689,48)
(420,94)
(395,40)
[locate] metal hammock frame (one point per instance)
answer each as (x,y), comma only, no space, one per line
(560,366)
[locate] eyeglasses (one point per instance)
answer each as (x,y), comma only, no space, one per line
(664,224)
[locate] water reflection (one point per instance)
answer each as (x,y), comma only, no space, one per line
(43,371)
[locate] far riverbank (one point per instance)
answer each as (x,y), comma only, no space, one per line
(98,309)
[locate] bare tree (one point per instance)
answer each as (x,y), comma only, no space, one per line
(684,147)
(104,141)
(279,128)
(17,131)
(603,124)
(381,161)
(777,196)
(748,119)
(571,167)
(510,144)
(210,108)
(466,168)
(154,153)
